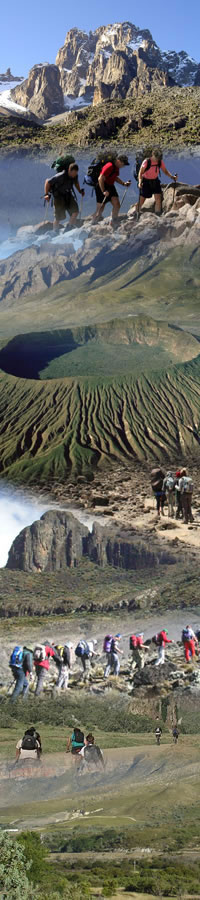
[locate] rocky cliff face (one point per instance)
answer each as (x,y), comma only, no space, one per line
(115,61)
(41,92)
(58,541)
(54,542)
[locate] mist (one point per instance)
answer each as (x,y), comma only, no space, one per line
(16,511)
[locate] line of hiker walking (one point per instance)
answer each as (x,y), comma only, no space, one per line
(102,176)
(174,489)
(86,755)
(25,661)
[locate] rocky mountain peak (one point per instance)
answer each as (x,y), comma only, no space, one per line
(113,62)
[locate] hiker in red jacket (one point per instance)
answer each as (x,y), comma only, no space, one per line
(162,640)
(106,190)
(41,656)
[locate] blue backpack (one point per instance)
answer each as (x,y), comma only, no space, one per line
(16,658)
(82,649)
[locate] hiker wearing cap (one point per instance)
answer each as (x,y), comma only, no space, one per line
(106,190)
(61,187)
(138,649)
(186,491)
(162,640)
(148,180)
(114,663)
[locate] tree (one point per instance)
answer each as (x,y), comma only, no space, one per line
(35,854)
(14,882)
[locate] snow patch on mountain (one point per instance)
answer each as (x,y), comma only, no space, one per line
(10,104)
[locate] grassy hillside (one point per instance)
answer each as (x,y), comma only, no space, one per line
(90,589)
(170,115)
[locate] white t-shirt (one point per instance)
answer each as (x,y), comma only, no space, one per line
(27,754)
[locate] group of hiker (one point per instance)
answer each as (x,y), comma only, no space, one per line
(103,174)
(158,734)
(24,661)
(86,754)
(176,490)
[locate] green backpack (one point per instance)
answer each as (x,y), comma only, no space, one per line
(62,162)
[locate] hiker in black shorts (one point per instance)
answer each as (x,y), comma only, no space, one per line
(105,189)
(148,180)
(61,186)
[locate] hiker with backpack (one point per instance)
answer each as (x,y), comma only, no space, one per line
(148,180)
(107,648)
(157,478)
(138,649)
(63,663)
(29,747)
(186,491)
(61,188)
(161,640)
(21,664)
(75,744)
(158,734)
(175,734)
(41,656)
(113,664)
(91,755)
(190,643)
(85,652)
(169,489)
(105,189)
(179,508)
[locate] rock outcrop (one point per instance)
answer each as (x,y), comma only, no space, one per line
(58,541)
(53,542)
(113,62)
(40,267)
(41,92)
(7,77)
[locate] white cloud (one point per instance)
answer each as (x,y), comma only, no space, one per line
(16,511)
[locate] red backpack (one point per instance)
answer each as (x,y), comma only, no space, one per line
(135,642)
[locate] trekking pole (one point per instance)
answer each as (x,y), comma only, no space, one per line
(138,206)
(81,207)
(176,176)
(123,197)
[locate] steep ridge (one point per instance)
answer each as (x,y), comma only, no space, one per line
(115,61)
(52,428)
(58,541)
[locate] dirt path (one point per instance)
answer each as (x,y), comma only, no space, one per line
(134,779)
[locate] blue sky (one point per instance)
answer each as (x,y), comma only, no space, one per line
(32,33)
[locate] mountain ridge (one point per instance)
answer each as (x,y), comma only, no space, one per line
(116,61)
